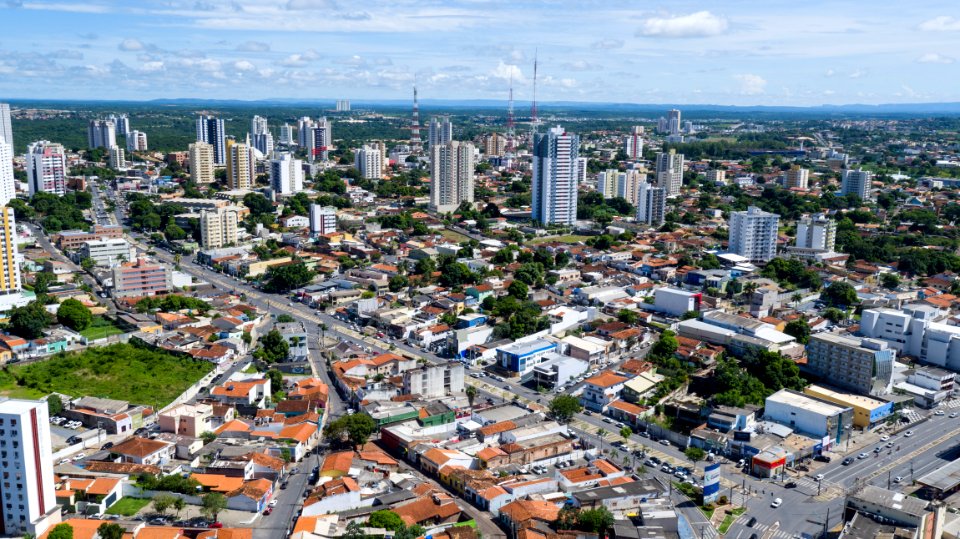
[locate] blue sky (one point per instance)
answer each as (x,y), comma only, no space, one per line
(725,52)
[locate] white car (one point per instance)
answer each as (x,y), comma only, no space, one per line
(819,477)
(273,503)
(776,503)
(908,434)
(938,412)
(79,456)
(897,479)
(884,438)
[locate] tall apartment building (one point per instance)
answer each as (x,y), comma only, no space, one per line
(46,168)
(554,199)
(673,122)
(210,130)
(101,134)
(240,163)
(817,232)
(9,267)
(670,172)
(717,175)
(494,145)
(440,131)
(286,135)
(136,141)
(651,204)
(200,157)
(864,366)
(607,182)
(797,177)
(753,234)
(434,381)
(857,183)
(8,182)
(582,169)
(343,105)
(451,175)
(286,174)
(122,122)
(218,228)
(303,130)
(628,185)
(260,136)
(27,489)
(116,158)
(369,162)
(323,219)
(6,124)
(633,143)
(140,278)
(914,331)
(319,140)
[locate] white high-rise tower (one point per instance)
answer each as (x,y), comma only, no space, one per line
(554,199)
(753,234)
(451,175)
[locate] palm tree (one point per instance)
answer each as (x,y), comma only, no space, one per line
(796,298)
(601,434)
(750,288)
(471,392)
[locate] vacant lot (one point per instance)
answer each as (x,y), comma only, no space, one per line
(128,506)
(568,238)
(101,328)
(127,372)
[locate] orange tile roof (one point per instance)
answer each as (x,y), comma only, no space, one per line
(218,483)
(492,493)
(300,433)
(496,428)
(136,446)
(262,459)
(83,528)
(520,511)
(488,453)
(383,359)
(240,389)
(627,407)
(606,379)
(102,486)
(156,532)
(255,490)
(129,468)
(305,524)
(377,456)
(226,533)
(605,467)
(426,508)
(337,462)
(234,425)
(579,475)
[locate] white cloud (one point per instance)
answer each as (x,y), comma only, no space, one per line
(243,65)
(935,58)
(311,4)
(857,73)
(253,46)
(151,66)
(294,60)
(131,44)
(699,24)
(505,71)
(943,23)
(829,73)
(751,84)
(607,44)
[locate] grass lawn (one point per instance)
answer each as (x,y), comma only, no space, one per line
(471,523)
(568,238)
(453,236)
(100,329)
(128,506)
(251,369)
(727,522)
(137,374)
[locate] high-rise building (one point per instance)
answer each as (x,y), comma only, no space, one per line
(136,141)
(303,130)
(582,169)
(451,175)
(8,182)
(673,122)
(343,105)
(633,143)
(9,267)
(817,232)
(323,219)
(6,124)
(753,234)
(218,228)
(210,130)
(441,131)
(857,183)
(240,163)
(46,168)
(651,204)
(607,182)
(28,491)
(286,174)
(140,278)
(494,145)
(286,134)
(116,158)
(260,135)
(319,140)
(369,162)
(101,134)
(670,172)
(122,122)
(200,157)
(796,177)
(864,366)
(717,175)
(628,184)
(554,199)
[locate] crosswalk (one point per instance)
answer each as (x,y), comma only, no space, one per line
(764,531)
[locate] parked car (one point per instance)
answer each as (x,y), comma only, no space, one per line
(107,445)
(267,511)
(822,458)
(908,434)
(862,456)
(776,503)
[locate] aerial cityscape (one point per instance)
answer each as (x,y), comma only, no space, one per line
(479,270)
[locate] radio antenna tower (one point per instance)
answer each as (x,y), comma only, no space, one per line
(534,120)
(510,125)
(415,143)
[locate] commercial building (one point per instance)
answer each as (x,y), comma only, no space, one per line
(218,228)
(433,381)
(857,183)
(600,390)
(796,177)
(670,172)
(29,501)
(633,143)
(101,134)
(240,163)
(864,366)
(554,199)
(369,162)
(323,219)
(809,415)
(319,139)
(901,510)
(73,239)
(201,160)
(211,131)
(440,131)
(817,232)
(286,174)
(753,234)
(8,182)
(107,253)
(136,141)
(46,168)
(558,370)
(651,204)
(914,332)
(676,302)
(867,412)
(140,278)
(451,175)
(522,357)
(6,125)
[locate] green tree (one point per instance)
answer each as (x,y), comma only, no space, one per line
(386,519)
(163,502)
(471,393)
(208,436)
(74,315)
(276,381)
(834,314)
(595,520)
(42,282)
(889,280)
(798,329)
(694,453)
(258,204)
(355,429)
(54,404)
(288,277)
(30,320)
(518,289)
(628,317)
(564,407)
(354,531)
(285,319)
(273,348)
(839,294)
(179,505)
(174,232)
(626,432)
(398,283)
(665,347)
(61,531)
(110,530)
(213,504)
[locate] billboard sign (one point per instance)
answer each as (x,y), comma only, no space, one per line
(711,483)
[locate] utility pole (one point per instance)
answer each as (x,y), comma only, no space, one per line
(826,522)
(888,479)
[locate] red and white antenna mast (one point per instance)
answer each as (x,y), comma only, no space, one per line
(416,144)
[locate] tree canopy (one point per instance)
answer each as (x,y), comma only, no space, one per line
(564,407)
(354,429)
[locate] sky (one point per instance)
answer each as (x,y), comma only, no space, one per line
(728,52)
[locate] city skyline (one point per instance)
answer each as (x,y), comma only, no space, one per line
(684,53)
